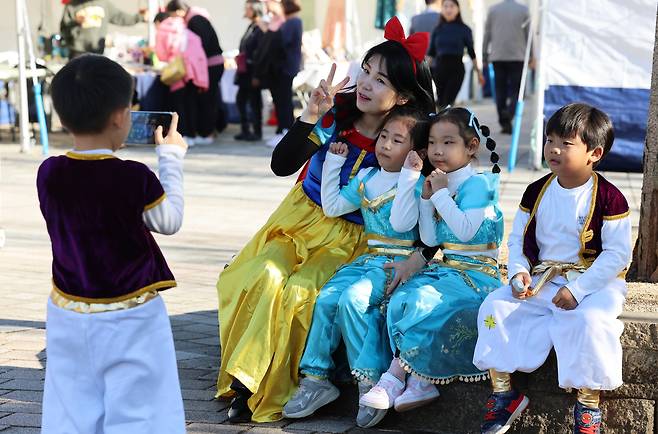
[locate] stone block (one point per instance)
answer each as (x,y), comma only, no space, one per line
(640,335)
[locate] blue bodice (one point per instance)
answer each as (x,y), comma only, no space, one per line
(478,191)
(361,155)
(376,212)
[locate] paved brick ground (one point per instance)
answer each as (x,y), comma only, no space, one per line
(230,191)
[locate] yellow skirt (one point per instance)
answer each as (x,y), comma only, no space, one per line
(267,295)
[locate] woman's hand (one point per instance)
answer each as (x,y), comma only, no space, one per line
(339,149)
(322,97)
(403,270)
(480,78)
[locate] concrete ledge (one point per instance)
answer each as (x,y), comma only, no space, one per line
(633,408)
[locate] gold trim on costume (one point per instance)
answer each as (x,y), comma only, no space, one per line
(389,251)
(536,206)
(156,202)
(387,240)
(77,156)
(588,397)
(524,209)
(63,301)
(379,201)
(152,287)
(357,163)
(550,269)
(469,247)
(313,137)
(587,235)
(485,268)
(500,381)
(617,217)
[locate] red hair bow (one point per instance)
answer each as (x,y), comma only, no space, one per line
(416,44)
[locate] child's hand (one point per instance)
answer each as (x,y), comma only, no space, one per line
(339,149)
(173,136)
(438,180)
(413,161)
(427,189)
(322,97)
(564,299)
(524,279)
(404,270)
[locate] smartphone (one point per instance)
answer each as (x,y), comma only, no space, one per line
(142,130)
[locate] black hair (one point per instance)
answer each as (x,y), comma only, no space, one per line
(290,7)
(413,116)
(461,117)
(88,90)
(458,18)
(175,5)
(430,2)
(416,87)
(257,6)
(160,17)
(590,124)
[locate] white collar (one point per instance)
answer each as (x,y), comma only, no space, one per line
(456,178)
(103,151)
(385,174)
(576,190)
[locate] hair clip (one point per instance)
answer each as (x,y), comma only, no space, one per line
(475,124)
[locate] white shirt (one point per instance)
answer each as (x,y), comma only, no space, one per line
(560,216)
(464,224)
(334,205)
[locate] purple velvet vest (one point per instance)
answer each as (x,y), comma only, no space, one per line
(93,205)
(608,203)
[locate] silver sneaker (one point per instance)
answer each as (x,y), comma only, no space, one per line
(311,395)
(367,417)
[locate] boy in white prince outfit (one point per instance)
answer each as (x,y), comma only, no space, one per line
(568,252)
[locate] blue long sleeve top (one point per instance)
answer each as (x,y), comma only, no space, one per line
(450,39)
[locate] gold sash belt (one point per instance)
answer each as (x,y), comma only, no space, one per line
(59,299)
(488,265)
(390,251)
(551,269)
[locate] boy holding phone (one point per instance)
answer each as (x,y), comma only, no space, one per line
(110,351)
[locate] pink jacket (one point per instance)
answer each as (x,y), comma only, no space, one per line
(173,38)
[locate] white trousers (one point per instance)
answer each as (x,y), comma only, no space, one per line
(517,335)
(111,372)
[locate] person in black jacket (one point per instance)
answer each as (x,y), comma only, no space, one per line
(248,94)
(197,20)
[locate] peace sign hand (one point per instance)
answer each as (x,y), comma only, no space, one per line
(322,97)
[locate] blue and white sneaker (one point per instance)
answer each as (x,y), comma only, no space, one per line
(586,420)
(502,409)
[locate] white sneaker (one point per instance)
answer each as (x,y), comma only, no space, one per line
(204,140)
(191,141)
(367,417)
(275,139)
(417,393)
(385,392)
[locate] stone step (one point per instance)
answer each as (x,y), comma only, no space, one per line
(630,409)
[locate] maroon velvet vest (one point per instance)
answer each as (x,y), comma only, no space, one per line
(608,203)
(102,250)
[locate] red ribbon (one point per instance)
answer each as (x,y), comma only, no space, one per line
(416,44)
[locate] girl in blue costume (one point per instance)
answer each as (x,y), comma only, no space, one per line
(432,317)
(267,294)
(341,310)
